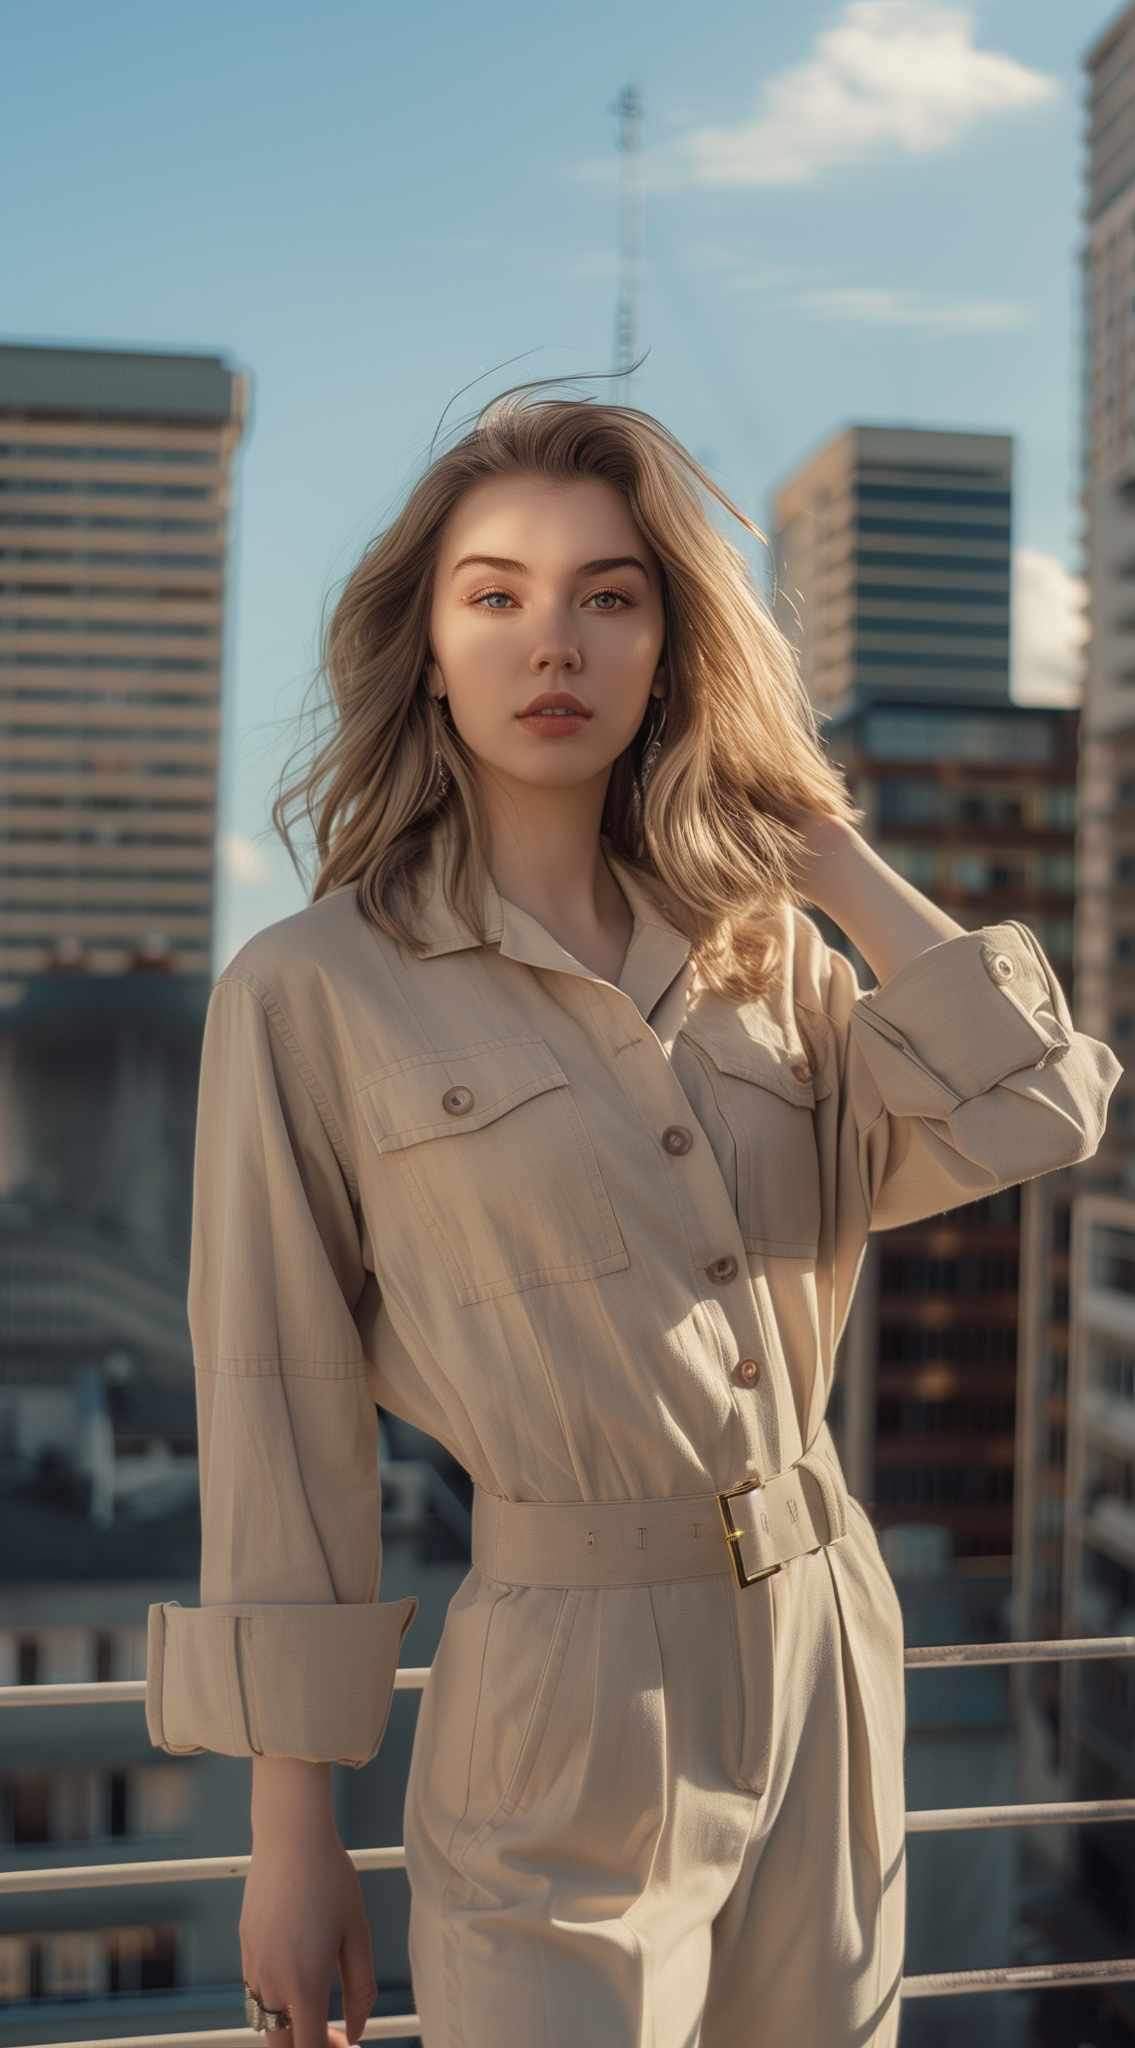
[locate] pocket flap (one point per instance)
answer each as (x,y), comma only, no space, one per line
(406,1102)
(769,1064)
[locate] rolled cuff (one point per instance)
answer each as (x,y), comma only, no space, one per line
(313,1681)
(960,1017)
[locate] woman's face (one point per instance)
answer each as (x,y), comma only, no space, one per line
(501,636)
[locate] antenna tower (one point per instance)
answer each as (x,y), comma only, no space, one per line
(628,107)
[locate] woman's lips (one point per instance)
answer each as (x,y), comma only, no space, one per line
(555,721)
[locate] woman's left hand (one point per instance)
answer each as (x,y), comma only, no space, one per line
(825,840)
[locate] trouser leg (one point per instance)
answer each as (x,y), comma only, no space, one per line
(576,1906)
(668,1816)
(808,1947)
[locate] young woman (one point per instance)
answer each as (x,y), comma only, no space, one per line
(553,1125)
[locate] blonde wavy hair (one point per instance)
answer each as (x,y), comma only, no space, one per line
(710,834)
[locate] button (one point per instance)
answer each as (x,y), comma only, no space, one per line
(1054,1053)
(723,1269)
(457,1101)
(747,1370)
(676,1138)
(802,1070)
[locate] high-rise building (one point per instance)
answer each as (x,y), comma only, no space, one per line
(893,561)
(1106,924)
(1098,1697)
(893,580)
(115,482)
(898,540)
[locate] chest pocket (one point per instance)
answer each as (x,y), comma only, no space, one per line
(489,1147)
(766,1096)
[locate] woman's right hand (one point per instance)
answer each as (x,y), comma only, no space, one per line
(302,1919)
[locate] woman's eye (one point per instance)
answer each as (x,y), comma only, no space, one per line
(621,595)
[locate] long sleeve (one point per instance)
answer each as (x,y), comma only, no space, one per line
(290,1653)
(963,1073)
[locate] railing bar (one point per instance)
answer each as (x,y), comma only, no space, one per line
(1021,1977)
(113,1692)
(392,1856)
(1062,1650)
(940,1984)
(179,1870)
(928,1820)
(401,2026)
(412,1677)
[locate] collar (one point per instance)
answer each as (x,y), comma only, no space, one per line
(655,954)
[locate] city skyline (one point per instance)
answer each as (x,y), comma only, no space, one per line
(869,214)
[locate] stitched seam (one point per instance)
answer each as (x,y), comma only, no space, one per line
(460,1821)
(895,1037)
(433,1224)
(468,1287)
(543,1704)
(277,1016)
(800,1094)
(456,1126)
(743,1155)
(435,1058)
(236,1704)
(589,1160)
(703,1060)
(246,1688)
(457,1860)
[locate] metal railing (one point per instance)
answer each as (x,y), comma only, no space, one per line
(411,1678)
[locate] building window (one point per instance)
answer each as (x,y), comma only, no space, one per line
(15,1968)
(92,1803)
(74,1964)
(81,1963)
(928,735)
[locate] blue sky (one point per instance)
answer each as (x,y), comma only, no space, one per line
(856,211)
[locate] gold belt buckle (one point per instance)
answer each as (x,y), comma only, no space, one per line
(733,1535)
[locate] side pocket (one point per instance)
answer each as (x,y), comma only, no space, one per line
(512,1703)
(543,1703)
(881,1570)
(485,1156)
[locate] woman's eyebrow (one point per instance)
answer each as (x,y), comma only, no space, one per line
(505,562)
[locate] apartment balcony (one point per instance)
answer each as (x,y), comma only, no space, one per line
(390,1856)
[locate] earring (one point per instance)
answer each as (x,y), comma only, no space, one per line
(654,745)
(442,775)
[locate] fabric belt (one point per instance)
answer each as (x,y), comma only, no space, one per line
(750,1530)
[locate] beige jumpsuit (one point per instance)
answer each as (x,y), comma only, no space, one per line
(600,1240)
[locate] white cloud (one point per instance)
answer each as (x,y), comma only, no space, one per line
(884,306)
(243,860)
(806,289)
(891,79)
(1048,630)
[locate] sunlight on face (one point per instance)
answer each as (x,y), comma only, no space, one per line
(501,637)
